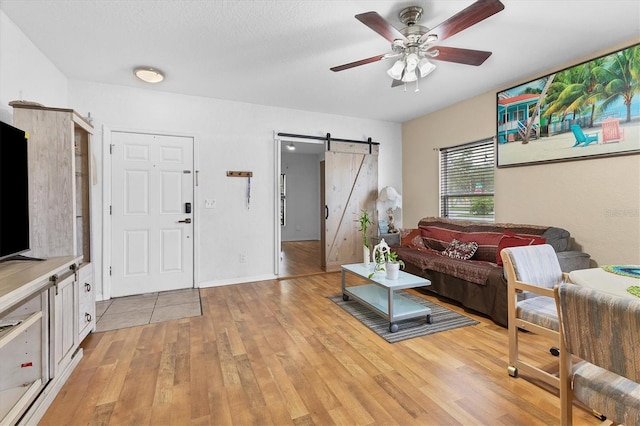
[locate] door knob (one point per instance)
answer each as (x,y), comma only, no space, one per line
(187,220)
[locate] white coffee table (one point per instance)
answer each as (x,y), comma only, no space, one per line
(378,294)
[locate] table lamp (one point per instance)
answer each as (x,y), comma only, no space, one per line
(389,200)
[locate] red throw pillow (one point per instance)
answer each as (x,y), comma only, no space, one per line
(509,239)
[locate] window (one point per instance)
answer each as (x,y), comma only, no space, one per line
(466,181)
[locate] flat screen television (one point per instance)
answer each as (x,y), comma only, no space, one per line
(14,192)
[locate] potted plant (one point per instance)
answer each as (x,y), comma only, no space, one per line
(386,260)
(364,220)
(393,265)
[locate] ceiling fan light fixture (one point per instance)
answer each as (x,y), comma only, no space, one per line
(410,71)
(148,74)
(431,38)
(395,71)
(426,67)
(409,76)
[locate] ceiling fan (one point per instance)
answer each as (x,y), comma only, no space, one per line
(414,45)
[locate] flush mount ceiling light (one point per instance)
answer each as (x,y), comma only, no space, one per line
(291,147)
(148,74)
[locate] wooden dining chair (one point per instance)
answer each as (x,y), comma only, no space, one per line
(603,330)
(532,272)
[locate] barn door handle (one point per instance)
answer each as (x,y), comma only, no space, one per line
(326,212)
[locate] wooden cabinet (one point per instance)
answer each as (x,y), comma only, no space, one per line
(59,151)
(38,337)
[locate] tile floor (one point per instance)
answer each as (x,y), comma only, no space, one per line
(129,311)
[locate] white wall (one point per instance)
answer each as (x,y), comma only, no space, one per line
(228,135)
(25,73)
(302,197)
(597,200)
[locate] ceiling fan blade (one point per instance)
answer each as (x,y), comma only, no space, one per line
(460,56)
(378,24)
(358,63)
(396,83)
(478,11)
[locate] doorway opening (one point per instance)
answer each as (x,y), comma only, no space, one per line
(298,247)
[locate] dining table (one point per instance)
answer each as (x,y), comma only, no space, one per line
(607,278)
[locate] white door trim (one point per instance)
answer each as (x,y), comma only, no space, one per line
(106,203)
(277,230)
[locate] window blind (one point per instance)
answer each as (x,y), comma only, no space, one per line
(466,181)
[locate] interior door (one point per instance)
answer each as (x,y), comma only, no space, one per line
(351,184)
(323,217)
(152,219)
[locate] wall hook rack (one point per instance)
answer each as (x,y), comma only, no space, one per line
(231,173)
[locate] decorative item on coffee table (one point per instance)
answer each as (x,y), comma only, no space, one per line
(393,265)
(386,261)
(364,220)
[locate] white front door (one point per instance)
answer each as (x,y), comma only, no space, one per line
(151,208)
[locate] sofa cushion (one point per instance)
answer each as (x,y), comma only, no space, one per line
(487,244)
(461,250)
(474,271)
(437,238)
(509,239)
(558,238)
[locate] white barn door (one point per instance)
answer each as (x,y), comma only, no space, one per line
(151,211)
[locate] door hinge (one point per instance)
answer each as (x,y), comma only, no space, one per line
(111,148)
(110,210)
(109,270)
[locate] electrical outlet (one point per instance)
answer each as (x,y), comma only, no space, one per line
(242,259)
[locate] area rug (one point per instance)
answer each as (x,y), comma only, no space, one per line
(442,319)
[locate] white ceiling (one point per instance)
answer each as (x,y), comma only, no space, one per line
(279,52)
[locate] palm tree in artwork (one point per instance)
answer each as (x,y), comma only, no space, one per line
(562,93)
(620,77)
(577,89)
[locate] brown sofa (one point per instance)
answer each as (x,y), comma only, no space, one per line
(478,283)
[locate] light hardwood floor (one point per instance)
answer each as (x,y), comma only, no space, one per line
(279,352)
(300,258)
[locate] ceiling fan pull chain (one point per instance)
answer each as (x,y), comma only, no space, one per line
(417,85)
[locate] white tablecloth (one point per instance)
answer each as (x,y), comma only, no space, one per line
(602,280)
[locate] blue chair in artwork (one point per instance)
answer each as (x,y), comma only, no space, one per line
(581,137)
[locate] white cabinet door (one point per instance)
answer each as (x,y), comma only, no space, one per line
(65,322)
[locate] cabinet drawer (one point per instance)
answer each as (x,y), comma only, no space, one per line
(87,301)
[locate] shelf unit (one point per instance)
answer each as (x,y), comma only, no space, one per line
(59,152)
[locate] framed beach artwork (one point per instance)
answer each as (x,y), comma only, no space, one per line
(589,110)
